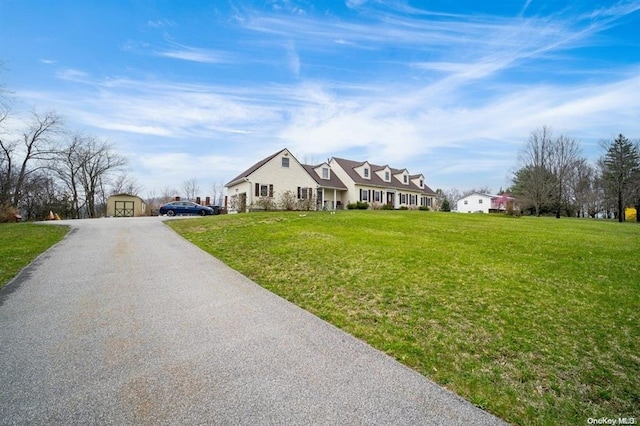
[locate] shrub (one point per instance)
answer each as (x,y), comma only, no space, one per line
(288,200)
(424,208)
(265,203)
(360,205)
(403,208)
(308,203)
(387,206)
(8,214)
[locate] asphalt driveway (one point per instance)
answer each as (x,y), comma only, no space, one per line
(125,322)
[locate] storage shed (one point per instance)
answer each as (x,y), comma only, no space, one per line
(125,205)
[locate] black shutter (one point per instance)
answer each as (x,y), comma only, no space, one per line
(270,190)
(257,189)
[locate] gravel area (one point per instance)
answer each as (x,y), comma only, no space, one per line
(124,322)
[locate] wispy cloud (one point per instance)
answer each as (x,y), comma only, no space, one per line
(195,54)
(160,23)
(73,75)
(294,59)
(423,90)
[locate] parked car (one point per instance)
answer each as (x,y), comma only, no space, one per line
(184,207)
(216,209)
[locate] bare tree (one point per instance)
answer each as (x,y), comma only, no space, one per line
(37,147)
(125,184)
(478,190)
(98,161)
(168,194)
(217,193)
(581,186)
(7,172)
(452,196)
(68,166)
(563,158)
(532,180)
(190,189)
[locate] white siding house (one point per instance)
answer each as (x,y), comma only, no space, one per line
(479,203)
(270,178)
(332,184)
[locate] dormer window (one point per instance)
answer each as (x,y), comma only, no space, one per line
(387,176)
(366,173)
(325,173)
(406,179)
(421,183)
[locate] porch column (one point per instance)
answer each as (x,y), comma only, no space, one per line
(334,199)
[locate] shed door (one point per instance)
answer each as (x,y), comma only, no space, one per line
(124,209)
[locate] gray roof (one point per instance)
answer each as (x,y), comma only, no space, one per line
(253,168)
(349,166)
(333,182)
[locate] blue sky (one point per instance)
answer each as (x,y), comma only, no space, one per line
(204,89)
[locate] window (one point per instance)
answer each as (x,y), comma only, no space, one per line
(366,173)
(466,202)
(325,173)
(480,201)
(405,178)
(285,162)
(421,183)
(377,196)
(364,195)
(304,193)
(387,176)
(263,190)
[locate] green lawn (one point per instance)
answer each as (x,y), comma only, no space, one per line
(23,242)
(536,320)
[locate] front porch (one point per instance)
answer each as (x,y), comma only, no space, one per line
(330,198)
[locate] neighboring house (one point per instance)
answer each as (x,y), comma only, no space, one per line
(125,205)
(332,184)
(483,203)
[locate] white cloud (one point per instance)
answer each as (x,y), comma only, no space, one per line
(454,95)
(355,3)
(195,55)
(294,59)
(160,23)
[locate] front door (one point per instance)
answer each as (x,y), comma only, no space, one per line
(390,199)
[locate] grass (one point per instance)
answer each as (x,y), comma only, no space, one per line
(23,242)
(536,320)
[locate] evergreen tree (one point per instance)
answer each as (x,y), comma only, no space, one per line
(620,167)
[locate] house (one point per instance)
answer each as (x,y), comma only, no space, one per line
(125,205)
(382,184)
(331,185)
(483,203)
